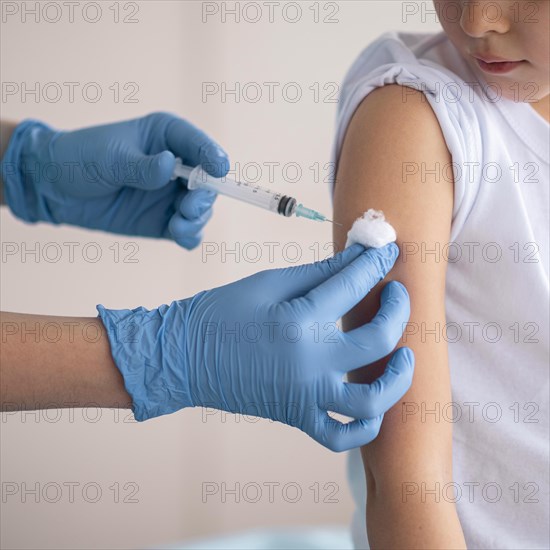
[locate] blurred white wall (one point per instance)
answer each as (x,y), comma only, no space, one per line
(166,55)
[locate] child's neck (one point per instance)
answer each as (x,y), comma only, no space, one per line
(543,107)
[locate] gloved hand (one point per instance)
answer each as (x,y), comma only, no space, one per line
(268,346)
(114,177)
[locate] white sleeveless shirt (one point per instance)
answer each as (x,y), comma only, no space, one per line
(497,294)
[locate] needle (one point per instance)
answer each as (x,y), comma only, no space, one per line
(335,223)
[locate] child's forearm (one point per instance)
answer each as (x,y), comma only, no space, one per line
(57,362)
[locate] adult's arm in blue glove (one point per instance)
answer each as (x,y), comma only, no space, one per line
(115,177)
(268,346)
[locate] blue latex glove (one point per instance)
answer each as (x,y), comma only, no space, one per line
(114,177)
(286,359)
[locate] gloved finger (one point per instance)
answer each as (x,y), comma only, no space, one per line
(337,436)
(374,340)
(374,399)
(295,282)
(195,147)
(196,202)
(190,243)
(299,280)
(185,231)
(147,172)
(339,293)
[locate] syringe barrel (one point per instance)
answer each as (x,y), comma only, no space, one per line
(252,194)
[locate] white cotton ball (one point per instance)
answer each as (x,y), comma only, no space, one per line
(371,230)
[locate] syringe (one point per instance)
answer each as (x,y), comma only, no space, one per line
(197,178)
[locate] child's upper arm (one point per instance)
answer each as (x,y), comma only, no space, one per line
(386,135)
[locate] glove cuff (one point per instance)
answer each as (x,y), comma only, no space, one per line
(22,171)
(148,347)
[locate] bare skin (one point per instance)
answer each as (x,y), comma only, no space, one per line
(384,132)
(57,362)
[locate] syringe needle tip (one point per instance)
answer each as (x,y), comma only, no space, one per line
(331,221)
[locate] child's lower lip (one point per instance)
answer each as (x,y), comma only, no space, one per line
(498,67)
